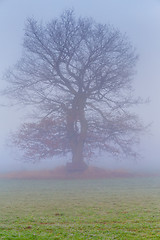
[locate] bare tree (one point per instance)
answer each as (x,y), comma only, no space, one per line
(78,76)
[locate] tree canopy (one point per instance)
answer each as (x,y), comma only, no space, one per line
(77,74)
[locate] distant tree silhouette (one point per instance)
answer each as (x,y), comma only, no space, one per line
(78,76)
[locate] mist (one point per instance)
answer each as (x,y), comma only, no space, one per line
(142,28)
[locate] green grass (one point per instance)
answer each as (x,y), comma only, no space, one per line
(80,209)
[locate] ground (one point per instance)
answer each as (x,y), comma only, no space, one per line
(117,208)
(62,173)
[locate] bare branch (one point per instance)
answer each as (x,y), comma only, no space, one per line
(77,75)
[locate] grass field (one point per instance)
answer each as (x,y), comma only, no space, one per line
(127,208)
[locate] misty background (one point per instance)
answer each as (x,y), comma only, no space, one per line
(140,20)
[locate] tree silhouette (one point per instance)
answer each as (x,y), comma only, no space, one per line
(78,76)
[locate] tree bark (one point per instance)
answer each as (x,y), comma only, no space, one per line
(77,132)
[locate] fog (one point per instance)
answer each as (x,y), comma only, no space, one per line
(140,20)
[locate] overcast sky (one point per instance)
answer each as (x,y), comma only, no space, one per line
(139,19)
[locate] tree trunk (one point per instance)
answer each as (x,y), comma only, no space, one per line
(78,163)
(77,131)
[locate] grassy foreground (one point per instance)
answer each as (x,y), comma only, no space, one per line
(126,208)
